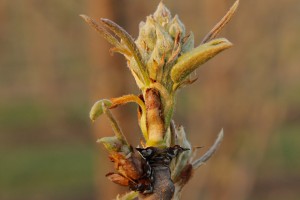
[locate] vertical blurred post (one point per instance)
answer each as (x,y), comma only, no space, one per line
(106,81)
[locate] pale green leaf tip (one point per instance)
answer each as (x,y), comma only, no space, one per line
(220,41)
(99,140)
(111,143)
(98,108)
(221,134)
(83,16)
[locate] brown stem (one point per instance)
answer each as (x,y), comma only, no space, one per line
(154,117)
(163,185)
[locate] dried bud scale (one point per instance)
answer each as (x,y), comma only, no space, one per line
(161,60)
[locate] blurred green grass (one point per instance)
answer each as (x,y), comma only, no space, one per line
(283,154)
(279,175)
(47,170)
(25,114)
(45,151)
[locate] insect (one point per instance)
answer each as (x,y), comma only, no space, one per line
(137,172)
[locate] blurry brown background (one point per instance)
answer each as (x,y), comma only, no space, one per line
(53,67)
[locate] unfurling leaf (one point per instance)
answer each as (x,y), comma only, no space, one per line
(98,108)
(103,32)
(190,61)
(188,43)
(129,42)
(182,160)
(114,144)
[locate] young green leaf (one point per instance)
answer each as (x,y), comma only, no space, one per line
(97,109)
(129,42)
(104,33)
(190,61)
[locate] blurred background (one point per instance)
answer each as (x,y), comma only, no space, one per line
(53,67)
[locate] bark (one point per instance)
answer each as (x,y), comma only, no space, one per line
(163,185)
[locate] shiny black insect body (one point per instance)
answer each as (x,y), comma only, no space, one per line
(155,157)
